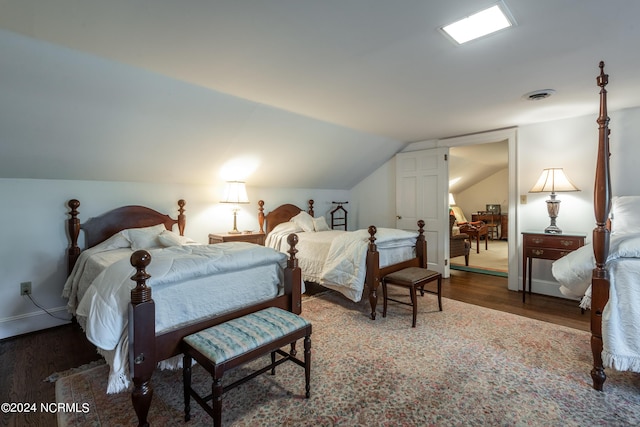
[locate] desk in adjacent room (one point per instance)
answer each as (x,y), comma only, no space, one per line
(487,217)
(546,246)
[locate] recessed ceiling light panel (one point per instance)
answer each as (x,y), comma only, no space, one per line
(480,24)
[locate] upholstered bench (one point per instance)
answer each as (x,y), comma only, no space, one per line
(238,341)
(415,279)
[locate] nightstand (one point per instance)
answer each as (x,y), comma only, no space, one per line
(257,238)
(546,246)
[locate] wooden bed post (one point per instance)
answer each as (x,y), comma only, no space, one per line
(373,270)
(310,210)
(182,219)
(261,215)
(421,246)
(142,357)
(293,276)
(73,225)
(601,234)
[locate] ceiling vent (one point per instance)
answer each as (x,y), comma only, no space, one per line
(537,95)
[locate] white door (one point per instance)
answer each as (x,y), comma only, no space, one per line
(421,194)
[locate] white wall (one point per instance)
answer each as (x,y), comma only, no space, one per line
(570,144)
(493,189)
(34,234)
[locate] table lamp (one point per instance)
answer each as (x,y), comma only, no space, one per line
(235,192)
(553,180)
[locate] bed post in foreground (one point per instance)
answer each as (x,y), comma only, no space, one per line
(142,324)
(373,270)
(293,276)
(602,206)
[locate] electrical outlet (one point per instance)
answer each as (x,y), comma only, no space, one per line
(523,199)
(25,288)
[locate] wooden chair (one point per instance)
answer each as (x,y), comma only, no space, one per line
(476,230)
(493,224)
(414,278)
(459,245)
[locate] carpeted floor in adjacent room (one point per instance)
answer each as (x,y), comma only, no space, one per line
(464,366)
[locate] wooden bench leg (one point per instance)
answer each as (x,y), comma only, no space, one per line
(440,293)
(414,303)
(384,298)
(216,391)
(307,366)
(186,379)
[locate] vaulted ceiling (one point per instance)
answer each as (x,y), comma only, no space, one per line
(309,93)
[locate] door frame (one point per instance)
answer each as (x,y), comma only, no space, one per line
(509,134)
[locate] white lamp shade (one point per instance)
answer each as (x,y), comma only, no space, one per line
(235,192)
(553,180)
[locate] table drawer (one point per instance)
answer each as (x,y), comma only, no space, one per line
(569,243)
(546,253)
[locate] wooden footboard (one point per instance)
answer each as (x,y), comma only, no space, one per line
(146,348)
(602,206)
(375,273)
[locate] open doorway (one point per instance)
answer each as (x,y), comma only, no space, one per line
(479,194)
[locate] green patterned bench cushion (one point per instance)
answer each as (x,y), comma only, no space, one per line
(230,339)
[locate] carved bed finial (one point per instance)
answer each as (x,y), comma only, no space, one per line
(261,215)
(292,240)
(182,219)
(310,211)
(372,237)
(141,293)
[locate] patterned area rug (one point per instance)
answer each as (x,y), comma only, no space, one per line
(467,365)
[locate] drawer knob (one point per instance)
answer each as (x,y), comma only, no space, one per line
(566,242)
(538,251)
(537,240)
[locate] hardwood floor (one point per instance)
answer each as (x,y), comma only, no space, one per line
(491,292)
(25,361)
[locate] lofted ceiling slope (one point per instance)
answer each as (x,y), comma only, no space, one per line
(310,94)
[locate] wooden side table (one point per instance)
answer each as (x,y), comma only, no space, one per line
(546,246)
(257,238)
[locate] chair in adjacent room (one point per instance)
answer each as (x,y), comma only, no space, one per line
(476,230)
(459,244)
(493,223)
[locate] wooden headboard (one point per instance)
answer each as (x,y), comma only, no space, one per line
(282,213)
(100,228)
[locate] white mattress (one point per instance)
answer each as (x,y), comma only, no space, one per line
(336,259)
(186,287)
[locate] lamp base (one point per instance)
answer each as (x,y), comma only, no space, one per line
(552,229)
(234,232)
(553,207)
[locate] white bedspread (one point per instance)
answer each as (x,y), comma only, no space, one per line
(337,259)
(188,283)
(621,315)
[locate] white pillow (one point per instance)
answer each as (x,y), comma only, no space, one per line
(144,238)
(624,214)
(169,238)
(573,271)
(320,224)
(117,241)
(304,221)
(286,227)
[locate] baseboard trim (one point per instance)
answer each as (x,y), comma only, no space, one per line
(34,321)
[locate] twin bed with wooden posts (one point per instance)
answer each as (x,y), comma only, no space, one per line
(350,262)
(606,273)
(192,289)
